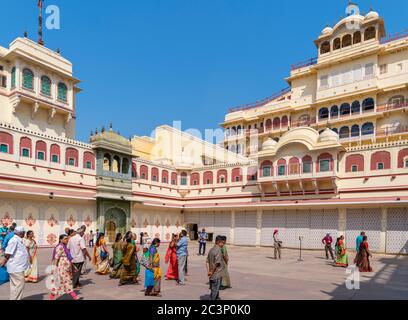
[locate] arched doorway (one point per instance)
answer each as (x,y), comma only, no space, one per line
(115,222)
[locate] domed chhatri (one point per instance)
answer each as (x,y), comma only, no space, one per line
(327,30)
(269,144)
(372,15)
(328,135)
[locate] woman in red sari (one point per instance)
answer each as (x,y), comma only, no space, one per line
(363,257)
(171,259)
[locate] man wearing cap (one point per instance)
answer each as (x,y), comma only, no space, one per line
(77,247)
(16,260)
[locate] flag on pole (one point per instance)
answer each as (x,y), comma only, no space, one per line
(40,3)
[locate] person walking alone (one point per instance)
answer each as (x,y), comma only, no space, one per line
(277,245)
(327,241)
(216,268)
(182,253)
(202,239)
(17,261)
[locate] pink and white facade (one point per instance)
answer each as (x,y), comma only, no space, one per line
(329,154)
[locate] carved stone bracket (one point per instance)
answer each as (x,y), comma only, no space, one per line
(315,186)
(15,104)
(51,114)
(36,107)
(68,119)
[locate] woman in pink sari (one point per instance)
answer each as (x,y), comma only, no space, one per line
(171,259)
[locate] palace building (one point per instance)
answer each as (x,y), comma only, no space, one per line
(328,154)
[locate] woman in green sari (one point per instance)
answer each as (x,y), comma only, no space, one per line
(116,262)
(341,253)
(128,270)
(226,281)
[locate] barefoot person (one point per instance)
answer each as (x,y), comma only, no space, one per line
(362,259)
(61,278)
(341,253)
(171,259)
(31,275)
(101,256)
(216,268)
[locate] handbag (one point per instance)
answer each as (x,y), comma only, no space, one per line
(103,255)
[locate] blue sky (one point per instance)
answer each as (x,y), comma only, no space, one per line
(144,63)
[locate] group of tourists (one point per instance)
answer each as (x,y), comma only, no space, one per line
(362,259)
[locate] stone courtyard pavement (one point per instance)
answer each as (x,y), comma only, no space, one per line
(254,275)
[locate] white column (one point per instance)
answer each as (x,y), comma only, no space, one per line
(258,227)
(383,236)
(342,221)
(232,233)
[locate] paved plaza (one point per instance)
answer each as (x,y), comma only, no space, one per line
(254,275)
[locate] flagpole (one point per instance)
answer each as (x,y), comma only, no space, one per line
(40,23)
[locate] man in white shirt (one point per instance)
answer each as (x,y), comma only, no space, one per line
(16,259)
(77,247)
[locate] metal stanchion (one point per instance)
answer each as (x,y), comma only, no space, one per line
(300,251)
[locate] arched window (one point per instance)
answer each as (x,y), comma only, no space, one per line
(266,169)
(195,179)
(236,175)
(89,161)
(276,124)
(334,111)
(208,177)
(233,131)
(344,133)
(233,148)
(324,163)
(303,120)
(183,179)
(144,172)
(335,130)
(346,42)
(355,163)
(116,164)
(367,129)
(294,164)
(281,167)
(222,176)
(355,131)
(252,174)
(125,166)
(344,109)
(165,176)
(28,79)
(403,158)
(323,113)
(25,147)
(107,162)
(396,101)
(155,174)
(381,160)
(134,170)
(325,47)
(285,122)
(174,178)
(368,104)
(369,33)
(41,150)
(307,164)
(239,129)
(55,153)
(62,92)
(13,77)
(355,107)
(71,157)
(268,124)
(336,44)
(46,86)
(357,37)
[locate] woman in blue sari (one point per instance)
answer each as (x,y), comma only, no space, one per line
(149,273)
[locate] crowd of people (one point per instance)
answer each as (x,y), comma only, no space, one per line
(19,263)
